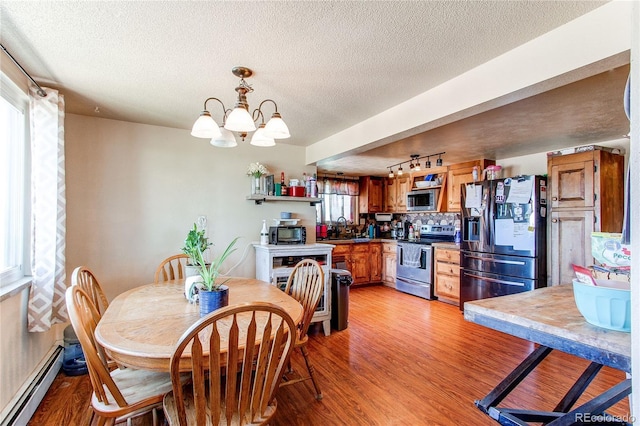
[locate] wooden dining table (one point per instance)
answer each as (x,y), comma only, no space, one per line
(141,327)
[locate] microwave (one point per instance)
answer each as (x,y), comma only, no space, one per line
(425,200)
(287,234)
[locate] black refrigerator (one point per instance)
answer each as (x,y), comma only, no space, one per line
(504,237)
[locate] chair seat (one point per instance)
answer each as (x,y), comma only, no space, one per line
(170,411)
(139,387)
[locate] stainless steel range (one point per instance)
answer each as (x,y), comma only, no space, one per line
(414,268)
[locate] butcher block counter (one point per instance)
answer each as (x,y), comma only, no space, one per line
(548,316)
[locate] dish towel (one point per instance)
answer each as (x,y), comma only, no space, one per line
(411,255)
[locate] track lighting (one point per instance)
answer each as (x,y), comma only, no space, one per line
(414,164)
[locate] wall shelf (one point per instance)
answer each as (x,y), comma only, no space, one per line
(259,199)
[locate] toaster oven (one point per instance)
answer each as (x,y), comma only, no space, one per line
(290,234)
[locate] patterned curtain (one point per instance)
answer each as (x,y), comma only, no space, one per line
(48,211)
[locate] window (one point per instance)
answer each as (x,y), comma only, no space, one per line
(335,205)
(13,184)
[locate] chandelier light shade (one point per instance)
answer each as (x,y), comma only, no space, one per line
(240,120)
(261,138)
(225,140)
(205,126)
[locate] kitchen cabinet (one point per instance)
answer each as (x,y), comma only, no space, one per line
(458,175)
(395,194)
(447,275)
(363,260)
(375,260)
(370,198)
(275,263)
(389,257)
(586,195)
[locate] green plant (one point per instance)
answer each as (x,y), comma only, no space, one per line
(210,273)
(195,242)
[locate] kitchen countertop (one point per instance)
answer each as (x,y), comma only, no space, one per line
(447,245)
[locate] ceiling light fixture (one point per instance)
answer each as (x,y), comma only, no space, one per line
(414,163)
(239,120)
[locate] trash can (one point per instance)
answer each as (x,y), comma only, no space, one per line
(340,282)
(73,362)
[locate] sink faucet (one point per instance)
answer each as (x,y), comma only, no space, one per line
(338,225)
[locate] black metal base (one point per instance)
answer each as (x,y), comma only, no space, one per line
(589,413)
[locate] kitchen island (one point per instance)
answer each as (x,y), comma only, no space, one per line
(548,316)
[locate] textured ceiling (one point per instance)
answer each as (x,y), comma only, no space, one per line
(328,65)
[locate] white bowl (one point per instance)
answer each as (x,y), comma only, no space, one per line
(422,183)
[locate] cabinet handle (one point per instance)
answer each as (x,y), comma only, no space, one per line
(554,198)
(554,220)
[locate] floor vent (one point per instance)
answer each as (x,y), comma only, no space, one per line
(28,402)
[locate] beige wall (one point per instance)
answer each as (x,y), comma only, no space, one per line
(133,192)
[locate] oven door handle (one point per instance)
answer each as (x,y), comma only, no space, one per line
(493,280)
(489,259)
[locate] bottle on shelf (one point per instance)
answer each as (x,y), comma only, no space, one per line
(283,187)
(264,234)
(314,186)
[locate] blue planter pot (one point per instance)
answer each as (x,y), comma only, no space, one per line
(212,300)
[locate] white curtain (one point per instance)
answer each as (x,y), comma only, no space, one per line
(48,211)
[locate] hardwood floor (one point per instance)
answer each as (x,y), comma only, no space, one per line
(402,361)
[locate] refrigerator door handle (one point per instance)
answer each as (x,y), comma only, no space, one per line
(493,280)
(489,259)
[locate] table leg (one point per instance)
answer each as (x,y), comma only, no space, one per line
(513,379)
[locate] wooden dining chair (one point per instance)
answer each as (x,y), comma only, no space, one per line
(172,268)
(84,278)
(120,394)
(305,284)
(237,387)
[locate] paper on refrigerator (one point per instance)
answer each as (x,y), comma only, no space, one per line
(520,191)
(473,197)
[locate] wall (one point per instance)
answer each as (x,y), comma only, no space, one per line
(133,192)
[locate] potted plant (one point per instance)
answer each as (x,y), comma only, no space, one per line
(211,293)
(195,242)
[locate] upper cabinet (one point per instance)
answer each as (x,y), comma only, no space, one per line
(395,194)
(460,174)
(370,198)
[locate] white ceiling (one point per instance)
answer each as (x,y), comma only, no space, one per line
(327,64)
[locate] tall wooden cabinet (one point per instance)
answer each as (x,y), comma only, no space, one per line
(389,257)
(586,195)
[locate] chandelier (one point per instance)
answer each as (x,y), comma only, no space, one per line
(414,164)
(239,120)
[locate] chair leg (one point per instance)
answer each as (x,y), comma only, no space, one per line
(305,354)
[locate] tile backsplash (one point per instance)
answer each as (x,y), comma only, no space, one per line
(433,218)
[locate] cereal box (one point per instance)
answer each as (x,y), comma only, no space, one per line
(608,250)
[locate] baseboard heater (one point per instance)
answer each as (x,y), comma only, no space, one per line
(27,403)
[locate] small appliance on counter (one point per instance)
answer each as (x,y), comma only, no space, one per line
(287,234)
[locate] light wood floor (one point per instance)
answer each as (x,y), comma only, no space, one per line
(402,361)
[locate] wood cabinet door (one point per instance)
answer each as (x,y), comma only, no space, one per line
(389,195)
(448,286)
(572,185)
(359,267)
(403,185)
(455,179)
(375,196)
(570,243)
(389,269)
(375,259)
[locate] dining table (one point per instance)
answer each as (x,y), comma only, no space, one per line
(549,317)
(142,326)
